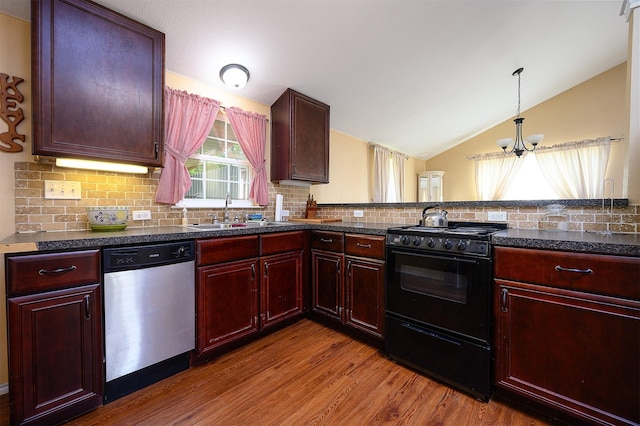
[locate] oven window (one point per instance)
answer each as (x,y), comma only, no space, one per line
(444,280)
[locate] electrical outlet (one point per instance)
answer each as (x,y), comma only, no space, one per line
(500,216)
(358,213)
(62,190)
(141,214)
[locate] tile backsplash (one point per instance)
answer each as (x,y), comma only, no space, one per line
(35,213)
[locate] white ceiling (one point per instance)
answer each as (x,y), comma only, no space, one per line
(418,76)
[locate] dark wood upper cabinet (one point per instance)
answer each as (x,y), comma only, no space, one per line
(98,83)
(299,139)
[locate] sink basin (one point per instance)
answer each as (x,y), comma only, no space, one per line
(233,225)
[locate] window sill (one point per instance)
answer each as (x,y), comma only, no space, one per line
(215,204)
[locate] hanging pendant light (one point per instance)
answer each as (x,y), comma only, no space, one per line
(234,76)
(519,146)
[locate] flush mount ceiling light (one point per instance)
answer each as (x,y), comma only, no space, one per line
(519,146)
(235,76)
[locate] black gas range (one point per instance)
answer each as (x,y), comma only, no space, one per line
(469,238)
(438,302)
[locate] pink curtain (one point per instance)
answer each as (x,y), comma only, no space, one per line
(251,131)
(188,120)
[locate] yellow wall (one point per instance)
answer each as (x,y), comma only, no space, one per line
(595,108)
(350,179)
(15,60)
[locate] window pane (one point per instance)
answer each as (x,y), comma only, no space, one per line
(230,135)
(195,167)
(213,147)
(234,151)
(196,190)
(217,131)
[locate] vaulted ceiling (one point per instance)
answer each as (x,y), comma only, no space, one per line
(418,76)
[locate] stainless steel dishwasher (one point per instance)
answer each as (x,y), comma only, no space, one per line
(149,314)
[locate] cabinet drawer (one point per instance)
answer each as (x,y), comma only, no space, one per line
(35,273)
(326,240)
(364,245)
(594,273)
(281,242)
(218,250)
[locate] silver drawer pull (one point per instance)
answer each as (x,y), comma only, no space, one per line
(363,245)
(577,271)
(326,240)
(57,271)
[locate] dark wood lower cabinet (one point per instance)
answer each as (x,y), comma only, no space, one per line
(364,295)
(281,287)
(55,345)
(327,283)
(574,351)
(227,303)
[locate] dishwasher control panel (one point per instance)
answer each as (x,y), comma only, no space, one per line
(144,256)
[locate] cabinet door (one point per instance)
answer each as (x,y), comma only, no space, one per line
(310,145)
(227,303)
(281,287)
(574,351)
(55,355)
(98,84)
(364,295)
(327,283)
(300,139)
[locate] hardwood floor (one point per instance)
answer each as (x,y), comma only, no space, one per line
(306,374)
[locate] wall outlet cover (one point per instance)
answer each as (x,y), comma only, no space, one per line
(141,214)
(500,216)
(358,213)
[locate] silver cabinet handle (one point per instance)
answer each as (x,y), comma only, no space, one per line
(577,271)
(266,269)
(325,240)
(503,300)
(57,271)
(253,272)
(363,245)
(87,307)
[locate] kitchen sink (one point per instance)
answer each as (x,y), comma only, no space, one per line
(234,225)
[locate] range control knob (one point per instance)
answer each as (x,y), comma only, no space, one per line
(405,240)
(417,241)
(462,245)
(431,243)
(447,244)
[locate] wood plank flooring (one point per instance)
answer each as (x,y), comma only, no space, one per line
(305,374)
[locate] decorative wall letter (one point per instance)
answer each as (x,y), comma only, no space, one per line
(10,113)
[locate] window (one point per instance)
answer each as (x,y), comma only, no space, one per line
(217,168)
(529,183)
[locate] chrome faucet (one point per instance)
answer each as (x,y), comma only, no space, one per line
(227,201)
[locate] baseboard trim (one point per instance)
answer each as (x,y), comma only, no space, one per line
(4,388)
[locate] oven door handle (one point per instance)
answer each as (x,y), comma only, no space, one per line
(430,333)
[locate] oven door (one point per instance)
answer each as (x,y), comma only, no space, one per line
(445,291)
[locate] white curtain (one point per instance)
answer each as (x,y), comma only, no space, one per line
(494,174)
(388,175)
(576,169)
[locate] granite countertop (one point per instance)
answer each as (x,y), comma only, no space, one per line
(588,242)
(66,240)
(616,244)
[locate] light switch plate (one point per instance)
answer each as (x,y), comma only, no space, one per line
(62,190)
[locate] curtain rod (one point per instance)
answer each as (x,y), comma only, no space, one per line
(500,153)
(222,107)
(374,145)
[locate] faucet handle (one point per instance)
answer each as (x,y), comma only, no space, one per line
(215,217)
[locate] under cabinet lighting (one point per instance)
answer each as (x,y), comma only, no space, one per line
(75,163)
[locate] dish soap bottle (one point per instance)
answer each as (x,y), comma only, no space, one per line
(184,217)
